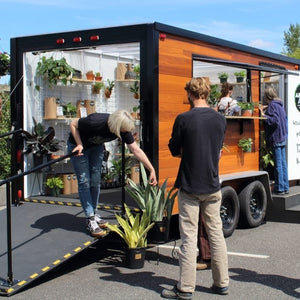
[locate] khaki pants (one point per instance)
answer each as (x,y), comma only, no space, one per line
(209,205)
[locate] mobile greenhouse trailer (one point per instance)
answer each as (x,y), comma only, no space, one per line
(167,57)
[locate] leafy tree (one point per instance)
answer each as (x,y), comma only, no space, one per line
(292,41)
(5,126)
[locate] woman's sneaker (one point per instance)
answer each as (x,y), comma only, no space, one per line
(93,228)
(102,223)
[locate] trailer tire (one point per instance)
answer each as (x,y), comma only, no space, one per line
(230,210)
(253,203)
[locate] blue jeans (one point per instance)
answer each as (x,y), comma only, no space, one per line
(88,171)
(280,170)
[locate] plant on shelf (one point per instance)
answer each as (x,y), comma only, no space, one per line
(98,76)
(136,112)
(69,110)
(54,70)
(55,184)
(4,63)
(90,75)
(223,76)
(136,69)
(135,89)
(108,88)
(134,229)
(97,86)
(240,76)
(41,142)
(214,95)
(247,108)
(246,144)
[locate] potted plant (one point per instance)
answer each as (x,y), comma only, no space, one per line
(223,76)
(155,201)
(55,184)
(54,70)
(4,63)
(41,142)
(97,86)
(240,76)
(98,76)
(108,88)
(136,70)
(246,144)
(247,108)
(133,231)
(69,110)
(134,88)
(90,75)
(136,112)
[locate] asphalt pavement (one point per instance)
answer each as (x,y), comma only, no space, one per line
(264,263)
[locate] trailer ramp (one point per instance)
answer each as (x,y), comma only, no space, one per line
(46,232)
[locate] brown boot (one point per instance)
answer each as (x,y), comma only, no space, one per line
(203,264)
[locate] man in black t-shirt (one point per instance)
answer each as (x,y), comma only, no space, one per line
(197,138)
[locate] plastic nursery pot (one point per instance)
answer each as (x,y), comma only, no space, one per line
(135,258)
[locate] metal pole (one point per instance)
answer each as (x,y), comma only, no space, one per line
(10,277)
(123,178)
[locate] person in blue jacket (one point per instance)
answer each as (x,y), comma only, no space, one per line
(276,132)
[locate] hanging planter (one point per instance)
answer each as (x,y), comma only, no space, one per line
(4,64)
(97,87)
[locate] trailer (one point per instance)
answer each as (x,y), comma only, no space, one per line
(149,65)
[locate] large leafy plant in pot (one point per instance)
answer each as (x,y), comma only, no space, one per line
(156,202)
(40,142)
(133,231)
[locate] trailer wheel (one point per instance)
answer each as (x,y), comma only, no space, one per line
(253,203)
(230,210)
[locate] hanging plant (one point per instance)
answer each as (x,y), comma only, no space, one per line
(53,70)
(108,88)
(135,88)
(4,63)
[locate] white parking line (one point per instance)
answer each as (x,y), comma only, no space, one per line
(229,252)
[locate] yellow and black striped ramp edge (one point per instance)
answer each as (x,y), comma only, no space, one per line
(43,237)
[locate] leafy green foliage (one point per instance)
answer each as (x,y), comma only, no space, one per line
(5,126)
(292,40)
(41,141)
(155,201)
(53,70)
(245,143)
(134,229)
(54,182)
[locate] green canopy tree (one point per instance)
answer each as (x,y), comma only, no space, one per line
(292,41)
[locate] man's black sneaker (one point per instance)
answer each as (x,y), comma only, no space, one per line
(94,229)
(220,290)
(175,293)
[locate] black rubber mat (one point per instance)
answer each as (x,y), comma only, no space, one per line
(43,237)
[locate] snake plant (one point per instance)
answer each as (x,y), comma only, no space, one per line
(155,201)
(134,228)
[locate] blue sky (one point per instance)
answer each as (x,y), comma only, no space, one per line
(257,23)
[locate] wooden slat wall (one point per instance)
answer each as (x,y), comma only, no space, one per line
(175,69)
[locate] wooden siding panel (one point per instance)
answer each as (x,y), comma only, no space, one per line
(175,69)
